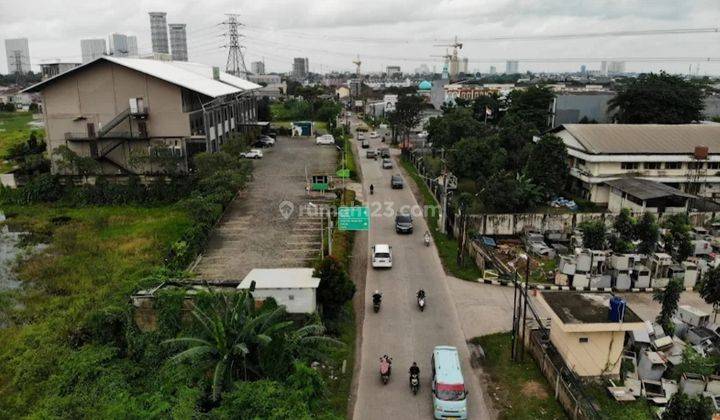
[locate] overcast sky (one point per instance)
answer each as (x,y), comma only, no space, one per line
(383,32)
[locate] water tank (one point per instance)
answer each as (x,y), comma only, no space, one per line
(617,309)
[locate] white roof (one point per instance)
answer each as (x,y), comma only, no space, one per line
(194,76)
(382,248)
(280,278)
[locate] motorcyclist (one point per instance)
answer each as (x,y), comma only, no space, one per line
(372,188)
(421,294)
(385,359)
(377,296)
(427,237)
(414,370)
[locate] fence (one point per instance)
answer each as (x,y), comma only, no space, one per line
(567,390)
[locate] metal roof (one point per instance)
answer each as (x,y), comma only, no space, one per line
(643,138)
(194,76)
(645,189)
(280,278)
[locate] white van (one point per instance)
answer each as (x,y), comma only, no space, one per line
(382,256)
(448,386)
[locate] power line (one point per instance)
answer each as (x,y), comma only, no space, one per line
(235,62)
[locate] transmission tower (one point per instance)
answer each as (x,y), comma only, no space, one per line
(235,61)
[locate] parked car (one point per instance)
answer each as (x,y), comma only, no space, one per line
(374,135)
(403,223)
(267,139)
(360,136)
(396,182)
(382,256)
(365,144)
(387,164)
(371,154)
(252,154)
(325,139)
(264,142)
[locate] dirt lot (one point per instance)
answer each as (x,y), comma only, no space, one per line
(254,232)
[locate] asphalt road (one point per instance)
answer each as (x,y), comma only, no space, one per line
(400,329)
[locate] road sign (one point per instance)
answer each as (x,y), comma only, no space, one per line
(353,218)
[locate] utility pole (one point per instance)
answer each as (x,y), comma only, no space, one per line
(443,204)
(235,61)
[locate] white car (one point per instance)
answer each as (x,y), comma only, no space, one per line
(374,135)
(325,139)
(252,154)
(383,126)
(382,256)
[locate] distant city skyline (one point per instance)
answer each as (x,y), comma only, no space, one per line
(332,33)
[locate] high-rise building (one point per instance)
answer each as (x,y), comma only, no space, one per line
(118,45)
(18,55)
(257,67)
(92,49)
(512,67)
(132,46)
(423,69)
(301,67)
(464,65)
(178,41)
(393,71)
(583,69)
(493,70)
(158,32)
(616,67)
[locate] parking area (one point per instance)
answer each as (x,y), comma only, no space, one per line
(274,222)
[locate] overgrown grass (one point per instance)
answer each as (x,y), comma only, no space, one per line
(611,409)
(519,390)
(14,129)
(447,248)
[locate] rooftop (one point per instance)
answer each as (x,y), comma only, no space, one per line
(584,308)
(193,76)
(280,278)
(645,189)
(643,138)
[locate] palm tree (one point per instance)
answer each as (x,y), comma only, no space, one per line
(232,332)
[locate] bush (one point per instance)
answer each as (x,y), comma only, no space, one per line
(335,287)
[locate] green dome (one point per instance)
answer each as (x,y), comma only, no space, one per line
(425,85)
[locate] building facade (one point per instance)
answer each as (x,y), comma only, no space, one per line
(118,45)
(92,49)
(301,67)
(52,69)
(17,52)
(257,67)
(512,67)
(158,32)
(113,109)
(178,41)
(132,46)
(685,156)
(393,71)
(572,107)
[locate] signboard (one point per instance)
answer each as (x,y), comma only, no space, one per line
(320,186)
(353,218)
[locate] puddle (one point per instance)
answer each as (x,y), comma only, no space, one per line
(11,252)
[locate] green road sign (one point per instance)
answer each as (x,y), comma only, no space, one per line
(343,173)
(320,186)
(353,218)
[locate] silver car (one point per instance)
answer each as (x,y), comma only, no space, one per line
(387,164)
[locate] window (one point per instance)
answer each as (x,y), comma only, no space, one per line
(652,165)
(291,297)
(713,165)
(673,165)
(580,162)
(583,339)
(629,165)
(696,165)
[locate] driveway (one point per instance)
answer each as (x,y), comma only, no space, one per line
(400,329)
(254,233)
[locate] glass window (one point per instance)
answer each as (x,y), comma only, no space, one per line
(696,165)
(652,165)
(629,165)
(673,165)
(713,165)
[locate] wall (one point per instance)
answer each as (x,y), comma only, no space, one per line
(599,356)
(303,299)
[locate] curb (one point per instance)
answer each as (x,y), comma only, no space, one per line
(536,286)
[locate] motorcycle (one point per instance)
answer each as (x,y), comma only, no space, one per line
(372,190)
(376,303)
(414,383)
(385,369)
(421,303)
(427,239)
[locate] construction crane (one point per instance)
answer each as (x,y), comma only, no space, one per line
(448,58)
(357,63)
(452,60)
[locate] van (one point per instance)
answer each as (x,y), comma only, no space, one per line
(382,256)
(448,386)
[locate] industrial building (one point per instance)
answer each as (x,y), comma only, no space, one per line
(54,68)
(158,32)
(112,109)
(17,52)
(301,67)
(178,41)
(683,156)
(92,49)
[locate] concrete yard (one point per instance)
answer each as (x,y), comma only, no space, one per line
(253,233)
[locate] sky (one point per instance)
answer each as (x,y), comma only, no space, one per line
(331,33)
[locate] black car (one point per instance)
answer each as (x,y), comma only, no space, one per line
(396,182)
(263,142)
(384,153)
(403,223)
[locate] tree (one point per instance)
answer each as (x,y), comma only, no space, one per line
(648,232)
(516,136)
(624,227)
(72,163)
(506,192)
(710,288)
(335,289)
(406,115)
(547,165)
(454,125)
(594,234)
(263,112)
(657,99)
(466,155)
(677,240)
(668,299)
(532,105)
(681,407)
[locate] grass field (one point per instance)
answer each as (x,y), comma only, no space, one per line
(519,390)
(447,248)
(14,129)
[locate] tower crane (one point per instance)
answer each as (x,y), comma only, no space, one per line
(452,60)
(357,63)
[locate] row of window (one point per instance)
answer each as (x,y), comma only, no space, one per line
(668,165)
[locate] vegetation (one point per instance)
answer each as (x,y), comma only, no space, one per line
(547,165)
(406,116)
(677,240)
(668,300)
(658,99)
(14,131)
(648,233)
(335,289)
(681,406)
(710,288)
(519,389)
(594,234)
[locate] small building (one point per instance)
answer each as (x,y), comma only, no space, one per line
(52,69)
(584,335)
(302,128)
(641,196)
(293,288)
